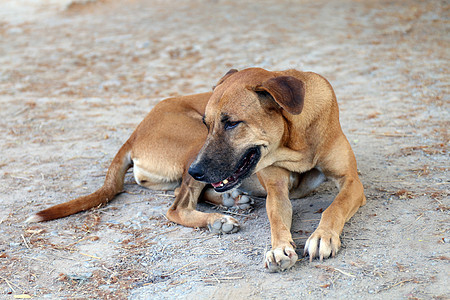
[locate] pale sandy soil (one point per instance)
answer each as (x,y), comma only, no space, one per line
(76,79)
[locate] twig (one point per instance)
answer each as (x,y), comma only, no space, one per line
(345,273)
(213,252)
(354,239)
(332,269)
(398,180)
(398,283)
(25,241)
(92,256)
(222,278)
(237,214)
(83,239)
(387,134)
(21,111)
(218,281)
(23,178)
(165,217)
(310,220)
(165,195)
(394,134)
(79,157)
(10,284)
(179,269)
(165,232)
(103,266)
(36,259)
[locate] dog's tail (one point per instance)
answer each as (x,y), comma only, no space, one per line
(112,186)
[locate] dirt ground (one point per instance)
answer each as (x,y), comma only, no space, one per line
(76,77)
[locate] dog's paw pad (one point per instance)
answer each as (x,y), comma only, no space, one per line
(237,200)
(280,259)
(224,225)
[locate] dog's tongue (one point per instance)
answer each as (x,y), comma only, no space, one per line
(217,184)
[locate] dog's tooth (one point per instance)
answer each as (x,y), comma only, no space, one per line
(225,181)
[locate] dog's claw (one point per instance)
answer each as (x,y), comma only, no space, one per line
(226,224)
(280,259)
(322,243)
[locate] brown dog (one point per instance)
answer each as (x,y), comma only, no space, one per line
(275,134)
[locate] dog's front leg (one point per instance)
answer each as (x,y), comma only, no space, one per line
(325,241)
(282,256)
(183,211)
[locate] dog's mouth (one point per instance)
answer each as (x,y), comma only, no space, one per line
(244,168)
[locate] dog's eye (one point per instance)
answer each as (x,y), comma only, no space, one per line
(230,125)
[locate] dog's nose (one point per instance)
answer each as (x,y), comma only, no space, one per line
(197,172)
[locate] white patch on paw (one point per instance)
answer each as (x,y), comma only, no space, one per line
(280,259)
(322,243)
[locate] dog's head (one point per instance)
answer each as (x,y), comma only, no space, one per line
(245,122)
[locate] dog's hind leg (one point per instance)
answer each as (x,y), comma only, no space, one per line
(184,212)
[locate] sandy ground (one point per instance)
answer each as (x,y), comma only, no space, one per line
(77,77)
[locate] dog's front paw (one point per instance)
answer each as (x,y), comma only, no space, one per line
(280,259)
(226,224)
(322,243)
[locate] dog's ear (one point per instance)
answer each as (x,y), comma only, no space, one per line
(287,91)
(228,74)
